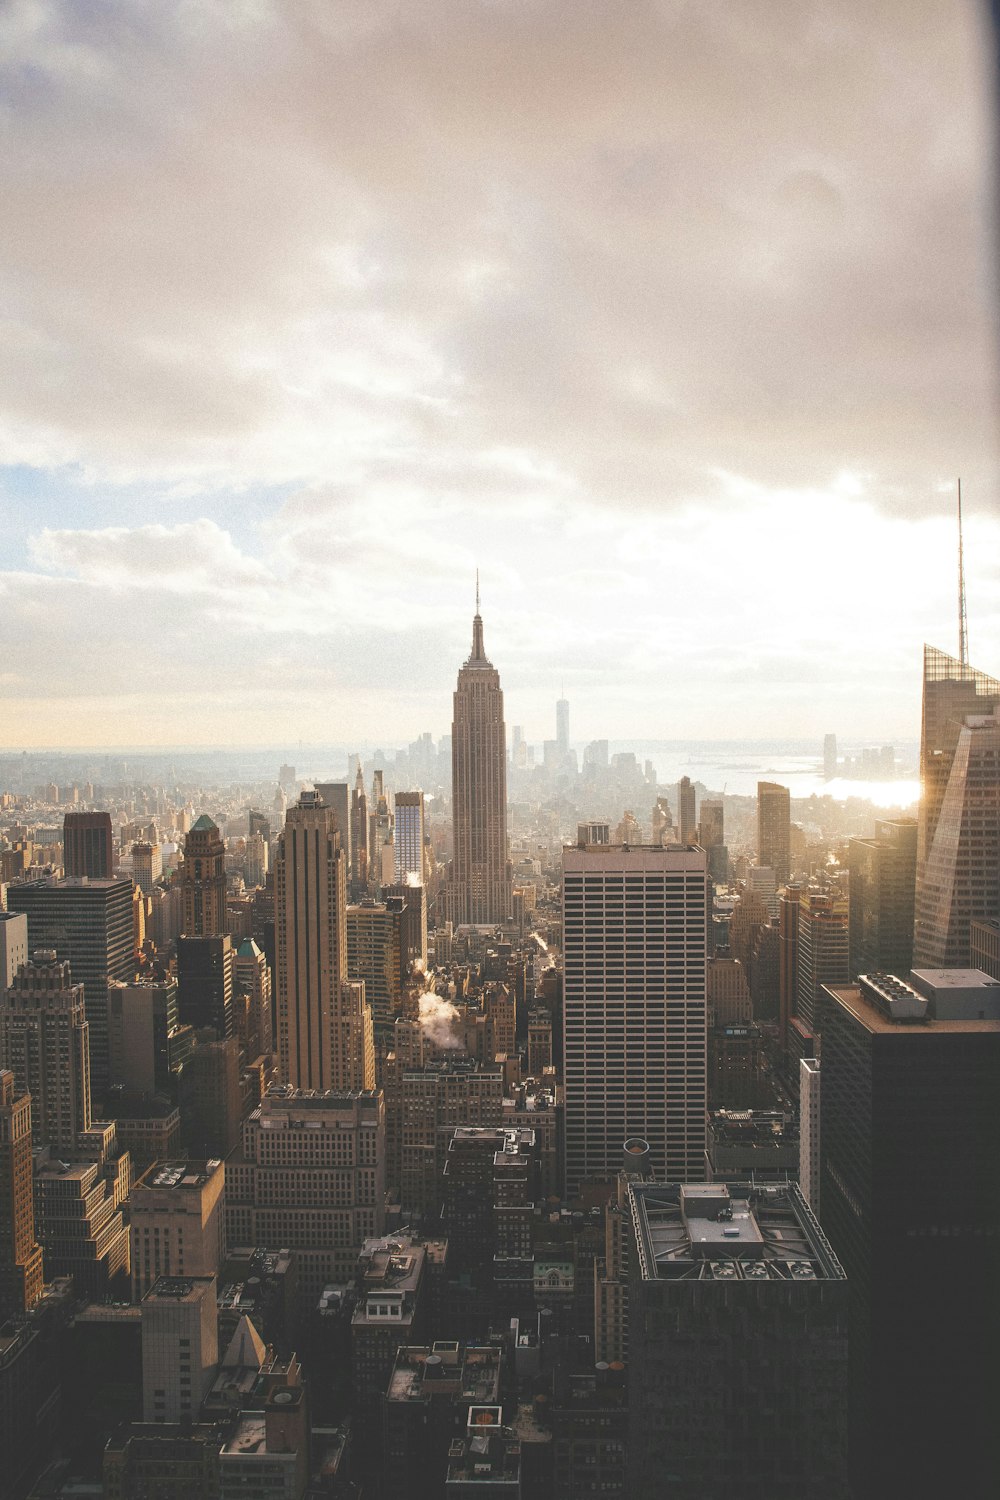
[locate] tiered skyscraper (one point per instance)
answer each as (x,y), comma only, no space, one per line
(203,880)
(324,1024)
(958,832)
(479,890)
(45,1042)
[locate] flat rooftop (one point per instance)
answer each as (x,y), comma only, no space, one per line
(472,1373)
(180,1174)
(956,979)
(732,1231)
(851,998)
(174,1289)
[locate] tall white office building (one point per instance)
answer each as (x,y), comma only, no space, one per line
(409,841)
(634,1008)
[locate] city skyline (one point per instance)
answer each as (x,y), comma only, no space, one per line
(666,346)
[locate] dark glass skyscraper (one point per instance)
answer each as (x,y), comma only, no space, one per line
(737,1346)
(910,1193)
(882,875)
(88,845)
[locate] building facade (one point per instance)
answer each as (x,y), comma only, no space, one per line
(479,886)
(737,1345)
(88,845)
(45,1042)
(960,871)
(911,1202)
(409,838)
(310,1176)
(634,1008)
(883,872)
(324,1025)
(774,824)
(203,881)
(20,1252)
(823,955)
(88,922)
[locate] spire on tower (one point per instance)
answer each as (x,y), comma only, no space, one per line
(963,623)
(478,649)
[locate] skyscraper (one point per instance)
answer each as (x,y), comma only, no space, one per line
(562,727)
(882,875)
(324,1025)
(960,873)
(634,1008)
(13,945)
(687,821)
(359,837)
(823,955)
(911,1202)
(951,690)
(774,822)
(479,888)
(44,1041)
(737,1345)
(409,845)
(20,1253)
(337,795)
(712,838)
(89,924)
(205,983)
(375,957)
(203,880)
(88,845)
(829,757)
(147,864)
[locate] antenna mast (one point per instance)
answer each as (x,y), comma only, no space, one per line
(477,572)
(963,623)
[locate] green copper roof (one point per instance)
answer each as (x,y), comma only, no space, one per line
(204,825)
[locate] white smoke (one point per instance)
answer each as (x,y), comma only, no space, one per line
(413,879)
(438,1018)
(540,941)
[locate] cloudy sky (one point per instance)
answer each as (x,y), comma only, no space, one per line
(676,319)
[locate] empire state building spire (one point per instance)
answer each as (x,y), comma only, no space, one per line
(478,650)
(479,886)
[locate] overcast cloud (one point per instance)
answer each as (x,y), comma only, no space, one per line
(676,319)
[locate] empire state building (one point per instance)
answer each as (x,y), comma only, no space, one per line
(479,889)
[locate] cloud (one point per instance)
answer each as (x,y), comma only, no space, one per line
(191,557)
(270,243)
(671,319)
(666,626)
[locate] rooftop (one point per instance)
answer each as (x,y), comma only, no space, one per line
(471,1373)
(180,1174)
(876,1021)
(487,1456)
(729,1232)
(172,1289)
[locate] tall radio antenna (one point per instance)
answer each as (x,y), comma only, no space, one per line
(963,623)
